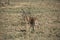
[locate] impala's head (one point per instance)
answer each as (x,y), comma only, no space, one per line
(31,20)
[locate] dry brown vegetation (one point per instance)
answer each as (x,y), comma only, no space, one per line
(13,26)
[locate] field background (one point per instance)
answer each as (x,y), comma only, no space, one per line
(47,13)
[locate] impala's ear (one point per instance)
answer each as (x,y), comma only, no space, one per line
(27,18)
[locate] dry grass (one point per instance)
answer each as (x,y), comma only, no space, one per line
(47,14)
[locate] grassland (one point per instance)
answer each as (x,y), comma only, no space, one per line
(46,12)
